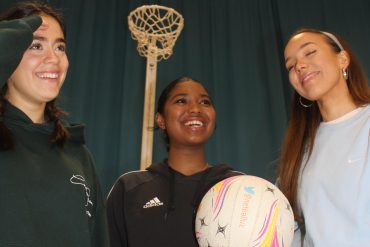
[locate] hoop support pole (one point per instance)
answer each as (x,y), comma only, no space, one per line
(148,115)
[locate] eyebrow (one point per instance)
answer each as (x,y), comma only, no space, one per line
(301,47)
(40,38)
(184,94)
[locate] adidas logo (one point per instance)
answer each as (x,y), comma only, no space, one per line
(155,202)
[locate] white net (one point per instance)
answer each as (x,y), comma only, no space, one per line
(156,29)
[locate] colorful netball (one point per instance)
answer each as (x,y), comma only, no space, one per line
(244,211)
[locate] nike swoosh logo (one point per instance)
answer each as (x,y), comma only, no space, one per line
(351,161)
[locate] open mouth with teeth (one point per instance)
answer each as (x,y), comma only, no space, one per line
(48,75)
(194,123)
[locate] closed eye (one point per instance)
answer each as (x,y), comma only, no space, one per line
(289,64)
(310,53)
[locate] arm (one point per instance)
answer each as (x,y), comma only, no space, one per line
(100,233)
(116,217)
(98,224)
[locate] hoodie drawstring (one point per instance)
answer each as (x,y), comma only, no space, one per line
(198,191)
(171,193)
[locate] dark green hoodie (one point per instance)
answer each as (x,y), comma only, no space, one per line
(49,196)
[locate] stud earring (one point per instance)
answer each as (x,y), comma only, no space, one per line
(345,74)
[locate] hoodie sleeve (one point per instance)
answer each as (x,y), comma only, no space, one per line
(100,227)
(15,37)
(98,223)
(116,217)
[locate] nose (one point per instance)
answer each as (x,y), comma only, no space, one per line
(194,108)
(51,56)
(300,66)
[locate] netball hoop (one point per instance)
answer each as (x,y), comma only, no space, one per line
(156,29)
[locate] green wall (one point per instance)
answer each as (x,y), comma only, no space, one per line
(233,46)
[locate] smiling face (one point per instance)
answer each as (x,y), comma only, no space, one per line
(43,68)
(315,69)
(188,116)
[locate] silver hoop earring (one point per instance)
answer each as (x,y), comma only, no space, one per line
(304,105)
(345,74)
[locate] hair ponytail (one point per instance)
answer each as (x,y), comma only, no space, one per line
(54,114)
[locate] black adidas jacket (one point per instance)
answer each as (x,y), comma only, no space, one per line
(156,207)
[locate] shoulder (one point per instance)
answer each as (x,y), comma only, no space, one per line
(131,180)
(360,122)
(366,111)
(220,172)
(76,132)
(235,173)
(225,171)
(364,114)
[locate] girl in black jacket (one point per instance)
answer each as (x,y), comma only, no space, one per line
(156,207)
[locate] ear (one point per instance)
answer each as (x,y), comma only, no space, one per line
(160,121)
(343,59)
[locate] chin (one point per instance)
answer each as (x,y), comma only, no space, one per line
(47,99)
(312,97)
(50,95)
(197,142)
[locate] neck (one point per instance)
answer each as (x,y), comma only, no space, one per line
(332,108)
(36,112)
(187,161)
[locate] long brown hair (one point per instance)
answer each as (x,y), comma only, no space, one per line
(52,112)
(304,122)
